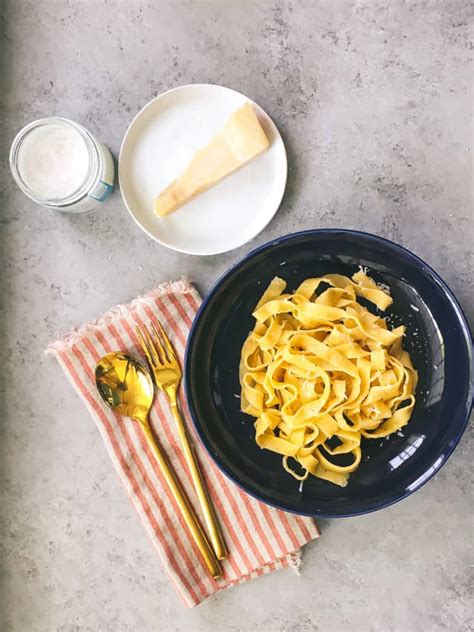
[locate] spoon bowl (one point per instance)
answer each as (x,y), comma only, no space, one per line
(125,385)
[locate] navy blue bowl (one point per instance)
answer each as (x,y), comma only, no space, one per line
(437,338)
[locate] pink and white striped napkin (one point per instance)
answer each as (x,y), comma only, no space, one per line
(260,539)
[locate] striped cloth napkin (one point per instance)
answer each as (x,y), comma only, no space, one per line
(260,539)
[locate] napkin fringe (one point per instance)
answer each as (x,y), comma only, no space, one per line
(295,561)
(181,286)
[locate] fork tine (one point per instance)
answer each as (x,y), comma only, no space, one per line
(160,344)
(169,346)
(148,351)
(155,346)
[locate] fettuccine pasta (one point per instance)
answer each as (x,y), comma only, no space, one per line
(319,372)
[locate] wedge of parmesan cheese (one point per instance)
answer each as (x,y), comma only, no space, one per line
(241,139)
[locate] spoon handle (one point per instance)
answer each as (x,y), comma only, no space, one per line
(184,505)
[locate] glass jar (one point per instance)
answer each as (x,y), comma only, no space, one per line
(58,164)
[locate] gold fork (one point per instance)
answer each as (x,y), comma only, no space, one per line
(167,372)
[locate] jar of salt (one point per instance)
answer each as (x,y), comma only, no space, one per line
(58,164)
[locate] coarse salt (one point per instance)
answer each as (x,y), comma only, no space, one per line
(53,161)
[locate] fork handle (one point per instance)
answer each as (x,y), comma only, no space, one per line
(183,503)
(210,517)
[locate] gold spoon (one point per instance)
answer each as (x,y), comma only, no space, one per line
(126,386)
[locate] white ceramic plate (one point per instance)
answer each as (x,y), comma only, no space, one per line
(159,143)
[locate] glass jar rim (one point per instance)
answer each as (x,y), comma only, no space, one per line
(92,171)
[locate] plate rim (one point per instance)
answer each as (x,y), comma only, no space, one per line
(427,475)
(142,111)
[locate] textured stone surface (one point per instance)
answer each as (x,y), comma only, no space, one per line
(373,100)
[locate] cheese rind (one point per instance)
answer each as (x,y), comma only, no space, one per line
(239,141)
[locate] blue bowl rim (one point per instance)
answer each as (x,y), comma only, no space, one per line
(329,231)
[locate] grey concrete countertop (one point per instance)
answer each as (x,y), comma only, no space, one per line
(373,100)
